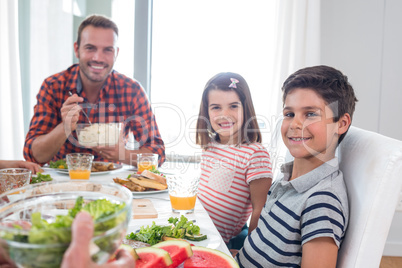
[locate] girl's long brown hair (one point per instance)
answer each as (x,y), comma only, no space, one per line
(250,132)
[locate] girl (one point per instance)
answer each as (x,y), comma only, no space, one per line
(235,169)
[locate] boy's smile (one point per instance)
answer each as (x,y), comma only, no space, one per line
(308,129)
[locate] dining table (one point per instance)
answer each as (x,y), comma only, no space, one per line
(160,201)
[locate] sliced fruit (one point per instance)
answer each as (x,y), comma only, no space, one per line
(152,257)
(178,250)
(195,237)
(167,238)
(206,257)
(124,247)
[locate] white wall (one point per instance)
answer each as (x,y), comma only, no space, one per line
(363,38)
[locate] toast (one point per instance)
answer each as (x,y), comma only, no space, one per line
(130,185)
(150,175)
(148,183)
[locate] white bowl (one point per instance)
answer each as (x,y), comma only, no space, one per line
(98,134)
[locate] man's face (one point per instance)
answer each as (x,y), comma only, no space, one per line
(97,53)
(308,129)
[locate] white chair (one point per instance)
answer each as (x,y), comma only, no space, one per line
(372,167)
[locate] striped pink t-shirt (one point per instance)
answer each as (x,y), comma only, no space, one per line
(226,172)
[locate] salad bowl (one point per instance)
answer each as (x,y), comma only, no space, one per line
(35,220)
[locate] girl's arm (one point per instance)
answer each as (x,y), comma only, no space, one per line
(258,194)
(320,252)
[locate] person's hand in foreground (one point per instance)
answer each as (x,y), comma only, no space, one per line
(77,254)
(20,164)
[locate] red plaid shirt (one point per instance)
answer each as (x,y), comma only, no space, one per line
(121,99)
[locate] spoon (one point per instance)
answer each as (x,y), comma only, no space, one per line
(82,110)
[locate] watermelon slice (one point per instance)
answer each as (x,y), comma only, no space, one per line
(152,257)
(206,257)
(178,250)
(124,247)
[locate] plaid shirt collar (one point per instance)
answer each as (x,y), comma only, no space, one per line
(105,86)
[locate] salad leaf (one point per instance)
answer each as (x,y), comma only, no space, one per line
(58,231)
(77,207)
(40,178)
(61,164)
(153,234)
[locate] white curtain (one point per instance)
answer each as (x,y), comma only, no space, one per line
(298,46)
(11,112)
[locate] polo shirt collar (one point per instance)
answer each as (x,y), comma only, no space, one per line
(308,180)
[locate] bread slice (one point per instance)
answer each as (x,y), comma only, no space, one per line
(148,183)
(150,175)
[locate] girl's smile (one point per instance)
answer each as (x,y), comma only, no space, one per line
(225,111)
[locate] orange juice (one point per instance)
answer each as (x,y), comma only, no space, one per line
(183,203)
(80,174)
(145,165)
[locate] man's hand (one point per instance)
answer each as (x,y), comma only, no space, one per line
(77,254)
(70,113)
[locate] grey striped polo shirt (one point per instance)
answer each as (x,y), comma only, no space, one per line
(310,206)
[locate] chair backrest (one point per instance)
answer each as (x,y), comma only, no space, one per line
(372,167)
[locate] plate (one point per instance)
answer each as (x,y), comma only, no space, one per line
(213,239)
(149,192)
(65,171)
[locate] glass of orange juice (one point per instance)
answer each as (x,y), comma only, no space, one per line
(183,192)
(147,161)
(79,165)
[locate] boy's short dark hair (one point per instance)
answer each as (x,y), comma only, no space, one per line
(96,21)
(330,84)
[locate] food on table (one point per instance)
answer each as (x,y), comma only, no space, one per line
(12,178)
(140,183)
(207,257)
(41,178)
(153,175)
(130,185)
(124,247)
(152,257)
(98,134)
(148,183)
(179,251)
(58,233)
(96,166)
(60,164)
(134,244)
(177,229)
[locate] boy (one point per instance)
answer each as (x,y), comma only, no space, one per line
(306,214)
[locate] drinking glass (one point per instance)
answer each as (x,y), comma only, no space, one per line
(147,161)
(79,165)
(183,192)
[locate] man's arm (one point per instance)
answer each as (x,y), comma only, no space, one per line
(45,146)
(321,252)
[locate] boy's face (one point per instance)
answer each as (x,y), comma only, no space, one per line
(308,129)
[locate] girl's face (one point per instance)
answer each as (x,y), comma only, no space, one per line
(308,129)
(225,111)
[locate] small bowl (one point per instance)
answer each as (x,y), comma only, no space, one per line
(98,134)
(12,178)
(52,199)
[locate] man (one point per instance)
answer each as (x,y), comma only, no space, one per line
(105,95)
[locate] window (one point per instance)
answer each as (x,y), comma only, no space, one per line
(194,40)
